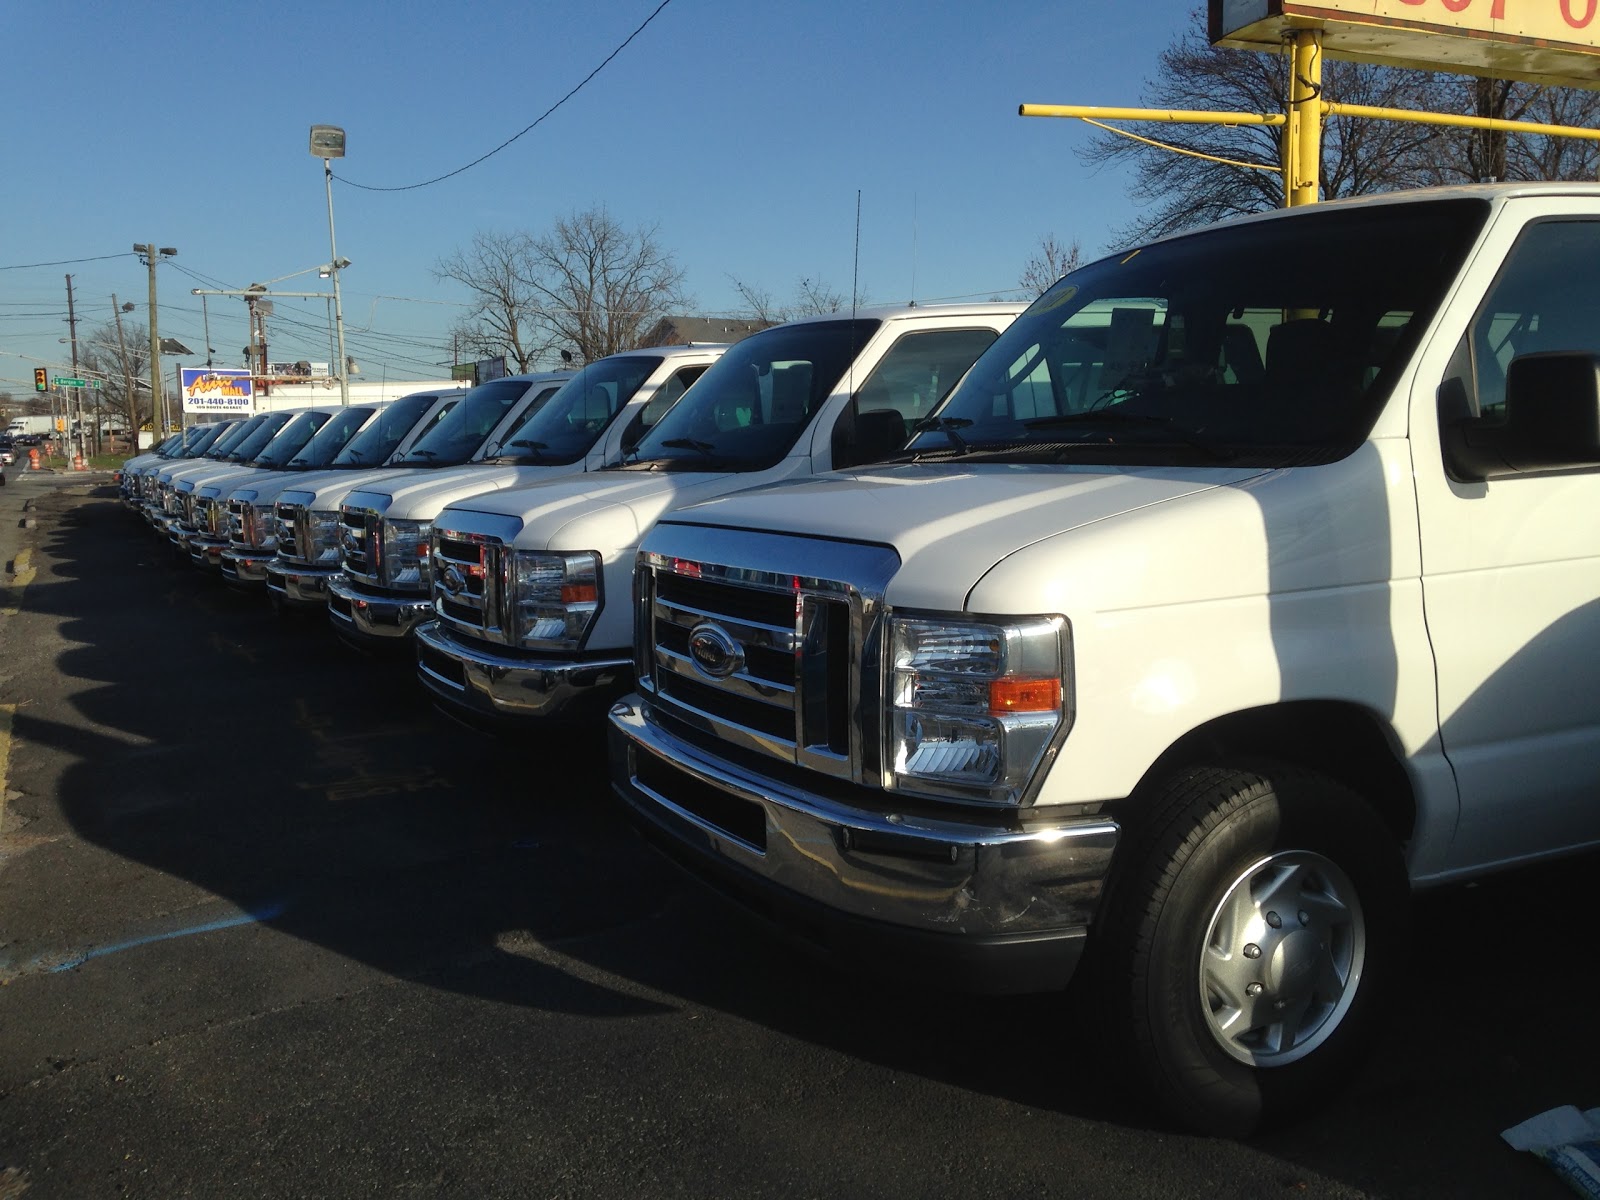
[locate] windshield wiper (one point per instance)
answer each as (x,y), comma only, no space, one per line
(706,448)
(1103,416)
(948,427)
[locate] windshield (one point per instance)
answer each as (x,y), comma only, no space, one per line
(191,442)
(291,440)
(235,434)
(747,411)
(331,438)
(497,447)
(256,442)
(205,438)
(379,438)
(1263,344)
(456,439)
(562,429)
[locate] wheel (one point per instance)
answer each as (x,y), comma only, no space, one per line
(1250,943)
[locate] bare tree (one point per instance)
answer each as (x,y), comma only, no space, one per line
(598,286)
(1492,155)
(1207,181)
(1049,263)
(101,356)
(812,298)
(505,316)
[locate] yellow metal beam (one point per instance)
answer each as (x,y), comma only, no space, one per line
(1459,121)
(1177,116)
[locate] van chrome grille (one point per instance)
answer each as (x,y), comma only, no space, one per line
(469,583)
(360,544)
(292,532)
(776,661)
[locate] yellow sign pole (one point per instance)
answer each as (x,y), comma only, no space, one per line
(1303,159)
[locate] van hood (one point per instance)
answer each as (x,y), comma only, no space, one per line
(605,511)
(327,490)
(421,495)
(951,524)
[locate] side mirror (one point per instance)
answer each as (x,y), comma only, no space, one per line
(1552,421)
(867,437)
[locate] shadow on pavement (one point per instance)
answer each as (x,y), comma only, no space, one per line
(259,759)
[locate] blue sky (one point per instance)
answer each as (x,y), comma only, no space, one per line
(742,129)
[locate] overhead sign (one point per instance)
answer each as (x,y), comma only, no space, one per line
(216,390)
(1555,42)
(61,381)
(300,369)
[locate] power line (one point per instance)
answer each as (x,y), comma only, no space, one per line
(366,187)
(65,262)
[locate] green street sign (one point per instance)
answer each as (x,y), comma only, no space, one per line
(60,381)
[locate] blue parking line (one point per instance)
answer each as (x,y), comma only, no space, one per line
(267,913)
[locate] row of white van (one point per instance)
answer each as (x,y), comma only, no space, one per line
(495,529)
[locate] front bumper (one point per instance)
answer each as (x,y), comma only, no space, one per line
(489,688)
(245,569)
(204,551)
(996,907)
(374,620)
(298,586)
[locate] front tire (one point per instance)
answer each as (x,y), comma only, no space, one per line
(1251,943)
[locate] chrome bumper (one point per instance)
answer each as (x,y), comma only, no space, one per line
(203,551)
(244,569)
(1005,905)
(302,587)
(502,687)
(375,620)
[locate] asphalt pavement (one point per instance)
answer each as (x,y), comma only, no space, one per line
(270,926)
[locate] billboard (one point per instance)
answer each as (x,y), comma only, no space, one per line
(1553,42)
(216,390)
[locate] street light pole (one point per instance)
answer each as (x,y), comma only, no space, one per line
(327,143)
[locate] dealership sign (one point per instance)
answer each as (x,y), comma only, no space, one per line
(1543,41)
(216,390)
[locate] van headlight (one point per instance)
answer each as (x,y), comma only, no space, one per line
(974,707)
(405,554)
(554,599)
(322,536)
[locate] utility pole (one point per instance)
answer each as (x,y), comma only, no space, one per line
(127,380)
(158,395)
(77,394)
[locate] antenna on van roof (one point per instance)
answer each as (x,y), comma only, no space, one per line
(913,303)
(855,277)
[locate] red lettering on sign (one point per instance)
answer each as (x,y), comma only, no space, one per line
(1579,22)
(1455,5)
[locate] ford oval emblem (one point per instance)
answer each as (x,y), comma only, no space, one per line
(716,655)
(452,582)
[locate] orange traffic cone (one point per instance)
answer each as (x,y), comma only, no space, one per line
(33,459)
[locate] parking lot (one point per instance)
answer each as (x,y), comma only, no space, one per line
(271,926)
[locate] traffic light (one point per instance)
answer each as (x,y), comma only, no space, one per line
(41,379)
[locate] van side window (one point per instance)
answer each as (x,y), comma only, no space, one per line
(665,397)
(1546,297)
